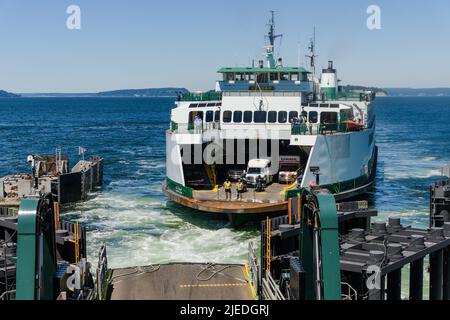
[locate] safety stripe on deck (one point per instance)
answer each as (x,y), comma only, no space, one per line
(213,285)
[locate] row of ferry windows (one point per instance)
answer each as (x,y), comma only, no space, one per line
(266,77)
(202,105)
(254,116)
(312,105)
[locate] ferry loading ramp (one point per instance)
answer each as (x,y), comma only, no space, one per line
(181,281)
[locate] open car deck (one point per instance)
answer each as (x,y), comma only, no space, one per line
(214,201)
(181,281)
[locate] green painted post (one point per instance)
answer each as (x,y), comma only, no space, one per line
(26,250)
(329,234)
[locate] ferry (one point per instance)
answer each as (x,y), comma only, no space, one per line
(270,111)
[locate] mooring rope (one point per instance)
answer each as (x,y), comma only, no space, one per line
(211,267)
(137,271)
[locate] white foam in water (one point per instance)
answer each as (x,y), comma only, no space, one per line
(405,166)
(140,230)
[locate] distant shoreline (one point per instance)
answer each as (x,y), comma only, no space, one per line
(172,92)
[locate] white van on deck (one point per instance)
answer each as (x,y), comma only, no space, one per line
(259,167)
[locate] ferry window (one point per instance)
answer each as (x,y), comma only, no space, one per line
(193,105)
(285,76)
(292,115)
(194,114)
(304,76)
(229,76)
(201,105)
(272,117)
(217,116)
(313,116)
(260,116)
(209,116)
(237,117)
(248,116)
(249,76)
(324,105)
(294,76)
(282,117)
(313,105)
(274,76)
(334,105)
(262,78)
(227,116)
(345,115)
(329,119)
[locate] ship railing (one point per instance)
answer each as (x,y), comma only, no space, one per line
(319,128)
(192,128)
(270,289)
(293,129)
(202,96)
(253,267)
(356,96)
(348,96)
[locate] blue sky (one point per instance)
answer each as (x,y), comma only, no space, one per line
(153,43)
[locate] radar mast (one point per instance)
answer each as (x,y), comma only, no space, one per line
(272,37)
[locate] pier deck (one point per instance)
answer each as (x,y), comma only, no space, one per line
(180,281)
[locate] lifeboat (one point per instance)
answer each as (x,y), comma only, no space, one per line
(354,125)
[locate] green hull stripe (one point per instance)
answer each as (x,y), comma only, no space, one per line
(337,187)
(178,188)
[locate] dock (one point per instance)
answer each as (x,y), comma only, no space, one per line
(181,281)
(51,174)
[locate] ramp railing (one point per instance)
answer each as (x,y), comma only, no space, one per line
(102,274)
(253,267)
(270,289)
(8,295)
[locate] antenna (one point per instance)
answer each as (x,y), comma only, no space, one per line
(312,54)
(312,58)
(272,37)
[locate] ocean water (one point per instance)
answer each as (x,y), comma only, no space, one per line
(138,223)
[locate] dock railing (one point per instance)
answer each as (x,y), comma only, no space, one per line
(102,280)
(253,267)
(270,289)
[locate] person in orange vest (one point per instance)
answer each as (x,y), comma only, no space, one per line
(227,187)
